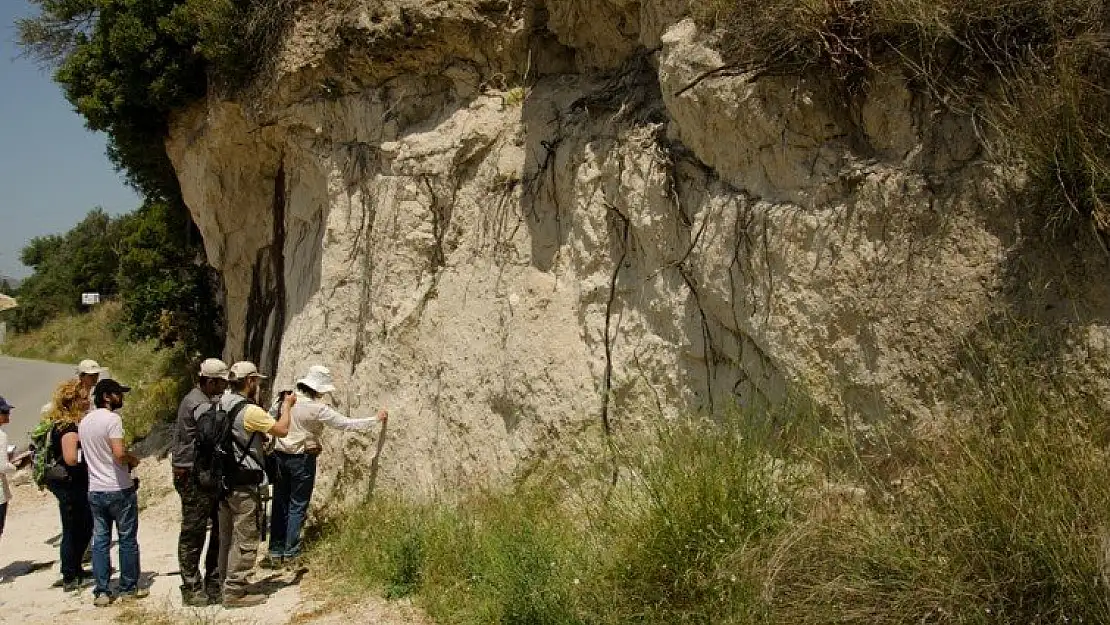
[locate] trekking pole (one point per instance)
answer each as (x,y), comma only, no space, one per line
(374,461)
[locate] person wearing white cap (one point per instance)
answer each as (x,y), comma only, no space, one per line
(199,507)
(241,504)
(296,459)
(89,371)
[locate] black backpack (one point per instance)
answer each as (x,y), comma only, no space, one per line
(218,464)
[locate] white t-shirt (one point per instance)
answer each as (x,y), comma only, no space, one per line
(96,431)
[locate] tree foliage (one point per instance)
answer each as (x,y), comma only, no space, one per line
(126,66)
(145,259)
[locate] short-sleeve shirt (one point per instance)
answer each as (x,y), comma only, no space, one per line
(97,430)
(256,419)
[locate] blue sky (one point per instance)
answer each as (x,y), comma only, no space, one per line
(52,170)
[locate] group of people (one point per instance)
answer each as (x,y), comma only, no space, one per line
(89,473)
(220,474)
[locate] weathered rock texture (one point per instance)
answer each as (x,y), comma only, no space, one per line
(521,227)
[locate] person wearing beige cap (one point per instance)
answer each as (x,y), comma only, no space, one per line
(241,504)
(296,459)
(199,507)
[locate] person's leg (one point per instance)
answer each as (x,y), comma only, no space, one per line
(126,512)
(225,525)
(242,509)
(279,509)
(3,517)
(82,534)
(303,471)
(195,515)
(68,510)
(102,537)
(212,552)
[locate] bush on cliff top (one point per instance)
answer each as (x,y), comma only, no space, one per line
(1035,70)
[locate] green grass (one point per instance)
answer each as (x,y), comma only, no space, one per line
(158,377)
(997,519)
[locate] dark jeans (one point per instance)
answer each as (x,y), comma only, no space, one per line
(77,528)
(198,512)
(120,507)
(292,492)
(3,516)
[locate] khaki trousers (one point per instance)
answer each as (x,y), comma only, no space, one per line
(238,539)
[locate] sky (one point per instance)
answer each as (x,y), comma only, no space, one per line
(52,170)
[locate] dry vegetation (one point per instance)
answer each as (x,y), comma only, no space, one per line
(1035,73)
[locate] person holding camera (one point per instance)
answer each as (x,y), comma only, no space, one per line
(295,457)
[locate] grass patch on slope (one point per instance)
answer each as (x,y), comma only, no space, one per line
(158,377)
(999,519)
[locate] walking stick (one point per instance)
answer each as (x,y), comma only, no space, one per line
(374,461)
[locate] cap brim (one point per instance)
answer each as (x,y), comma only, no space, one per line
(124,389)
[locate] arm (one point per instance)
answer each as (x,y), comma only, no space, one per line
(281,427)
(6,467)
(119,450)
(69,448)
(334,419)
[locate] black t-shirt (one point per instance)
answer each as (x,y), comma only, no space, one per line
(79,474)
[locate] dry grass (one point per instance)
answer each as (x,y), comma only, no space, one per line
(1034,72)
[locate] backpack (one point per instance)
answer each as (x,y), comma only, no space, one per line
(43,458)
(218,463)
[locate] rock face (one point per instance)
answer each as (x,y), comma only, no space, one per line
(522,229)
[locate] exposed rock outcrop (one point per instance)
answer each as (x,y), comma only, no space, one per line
(523,227)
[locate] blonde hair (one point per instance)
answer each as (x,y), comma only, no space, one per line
(71,402)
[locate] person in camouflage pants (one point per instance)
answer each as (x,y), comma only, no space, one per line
(199,507)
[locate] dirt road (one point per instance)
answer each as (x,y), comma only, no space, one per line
(27,385)
(28,568)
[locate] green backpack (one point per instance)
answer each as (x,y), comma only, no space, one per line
(44,455)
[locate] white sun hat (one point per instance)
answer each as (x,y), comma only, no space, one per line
(318,379)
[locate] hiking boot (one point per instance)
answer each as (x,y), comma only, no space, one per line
(195,599)
(272,563)
(243,601)
(102,600)
(294,564)
(80,583)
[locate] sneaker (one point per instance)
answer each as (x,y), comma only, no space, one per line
(102,601)
(243,601)
(138,593)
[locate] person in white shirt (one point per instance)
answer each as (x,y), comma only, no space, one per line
(295,455)
(112,494)
(7,462)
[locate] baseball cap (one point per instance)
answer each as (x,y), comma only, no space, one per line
(245,369)
(5,406)
(108,385)
(89,367)
(214,368)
